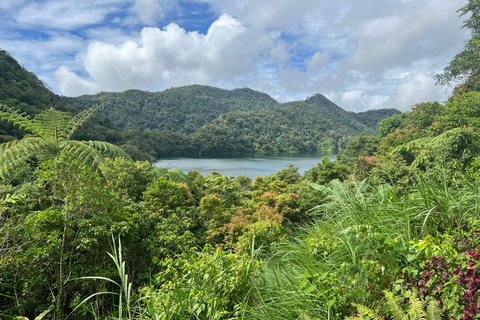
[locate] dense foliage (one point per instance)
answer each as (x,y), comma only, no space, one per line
(200,120)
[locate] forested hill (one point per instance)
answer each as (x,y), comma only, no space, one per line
(371,118)
(186,109)
(23,90)
(182,109)
(337,115)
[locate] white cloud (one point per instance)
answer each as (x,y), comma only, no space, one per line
(67,15)
(69,83)
(358,101)
(8,4)
(318,61)
(148,11)
(172,56)
(415,88)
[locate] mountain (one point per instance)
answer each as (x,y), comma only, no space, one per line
(182,109)
(22,89)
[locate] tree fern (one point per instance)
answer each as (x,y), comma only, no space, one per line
(51,132)
(159,171)
(52,125)
(175,175)
(80,119)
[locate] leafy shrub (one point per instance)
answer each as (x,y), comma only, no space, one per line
(211,284)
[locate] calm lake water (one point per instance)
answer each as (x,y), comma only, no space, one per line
(249,165)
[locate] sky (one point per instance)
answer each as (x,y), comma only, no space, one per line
(362,55)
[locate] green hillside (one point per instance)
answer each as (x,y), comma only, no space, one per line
(183,109)
(23,90)
(291,127)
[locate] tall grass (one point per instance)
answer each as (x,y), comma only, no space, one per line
(294,281)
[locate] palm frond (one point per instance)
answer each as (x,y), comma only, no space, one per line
(18,118)
(80,119)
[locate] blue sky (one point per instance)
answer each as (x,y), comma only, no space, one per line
(361,54)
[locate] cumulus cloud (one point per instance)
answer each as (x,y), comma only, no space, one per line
(361,51)
(173,56)
(358,100)
(69,83)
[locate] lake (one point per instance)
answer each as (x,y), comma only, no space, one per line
(248,165)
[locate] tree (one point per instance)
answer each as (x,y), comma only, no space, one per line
(464,67)
(64,239)
(424,114)
(51,132)
(390,124)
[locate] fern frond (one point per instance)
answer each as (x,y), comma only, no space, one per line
(415,309)
(84,152)
(397,312)
(433,311)
(177,175)
(159,171)
(107,149)
(424,145)
(52,124)
(80,119)
(366,313)
(19,152)
(20,119)
(93,153)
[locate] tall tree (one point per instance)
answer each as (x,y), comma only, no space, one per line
(465,66)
